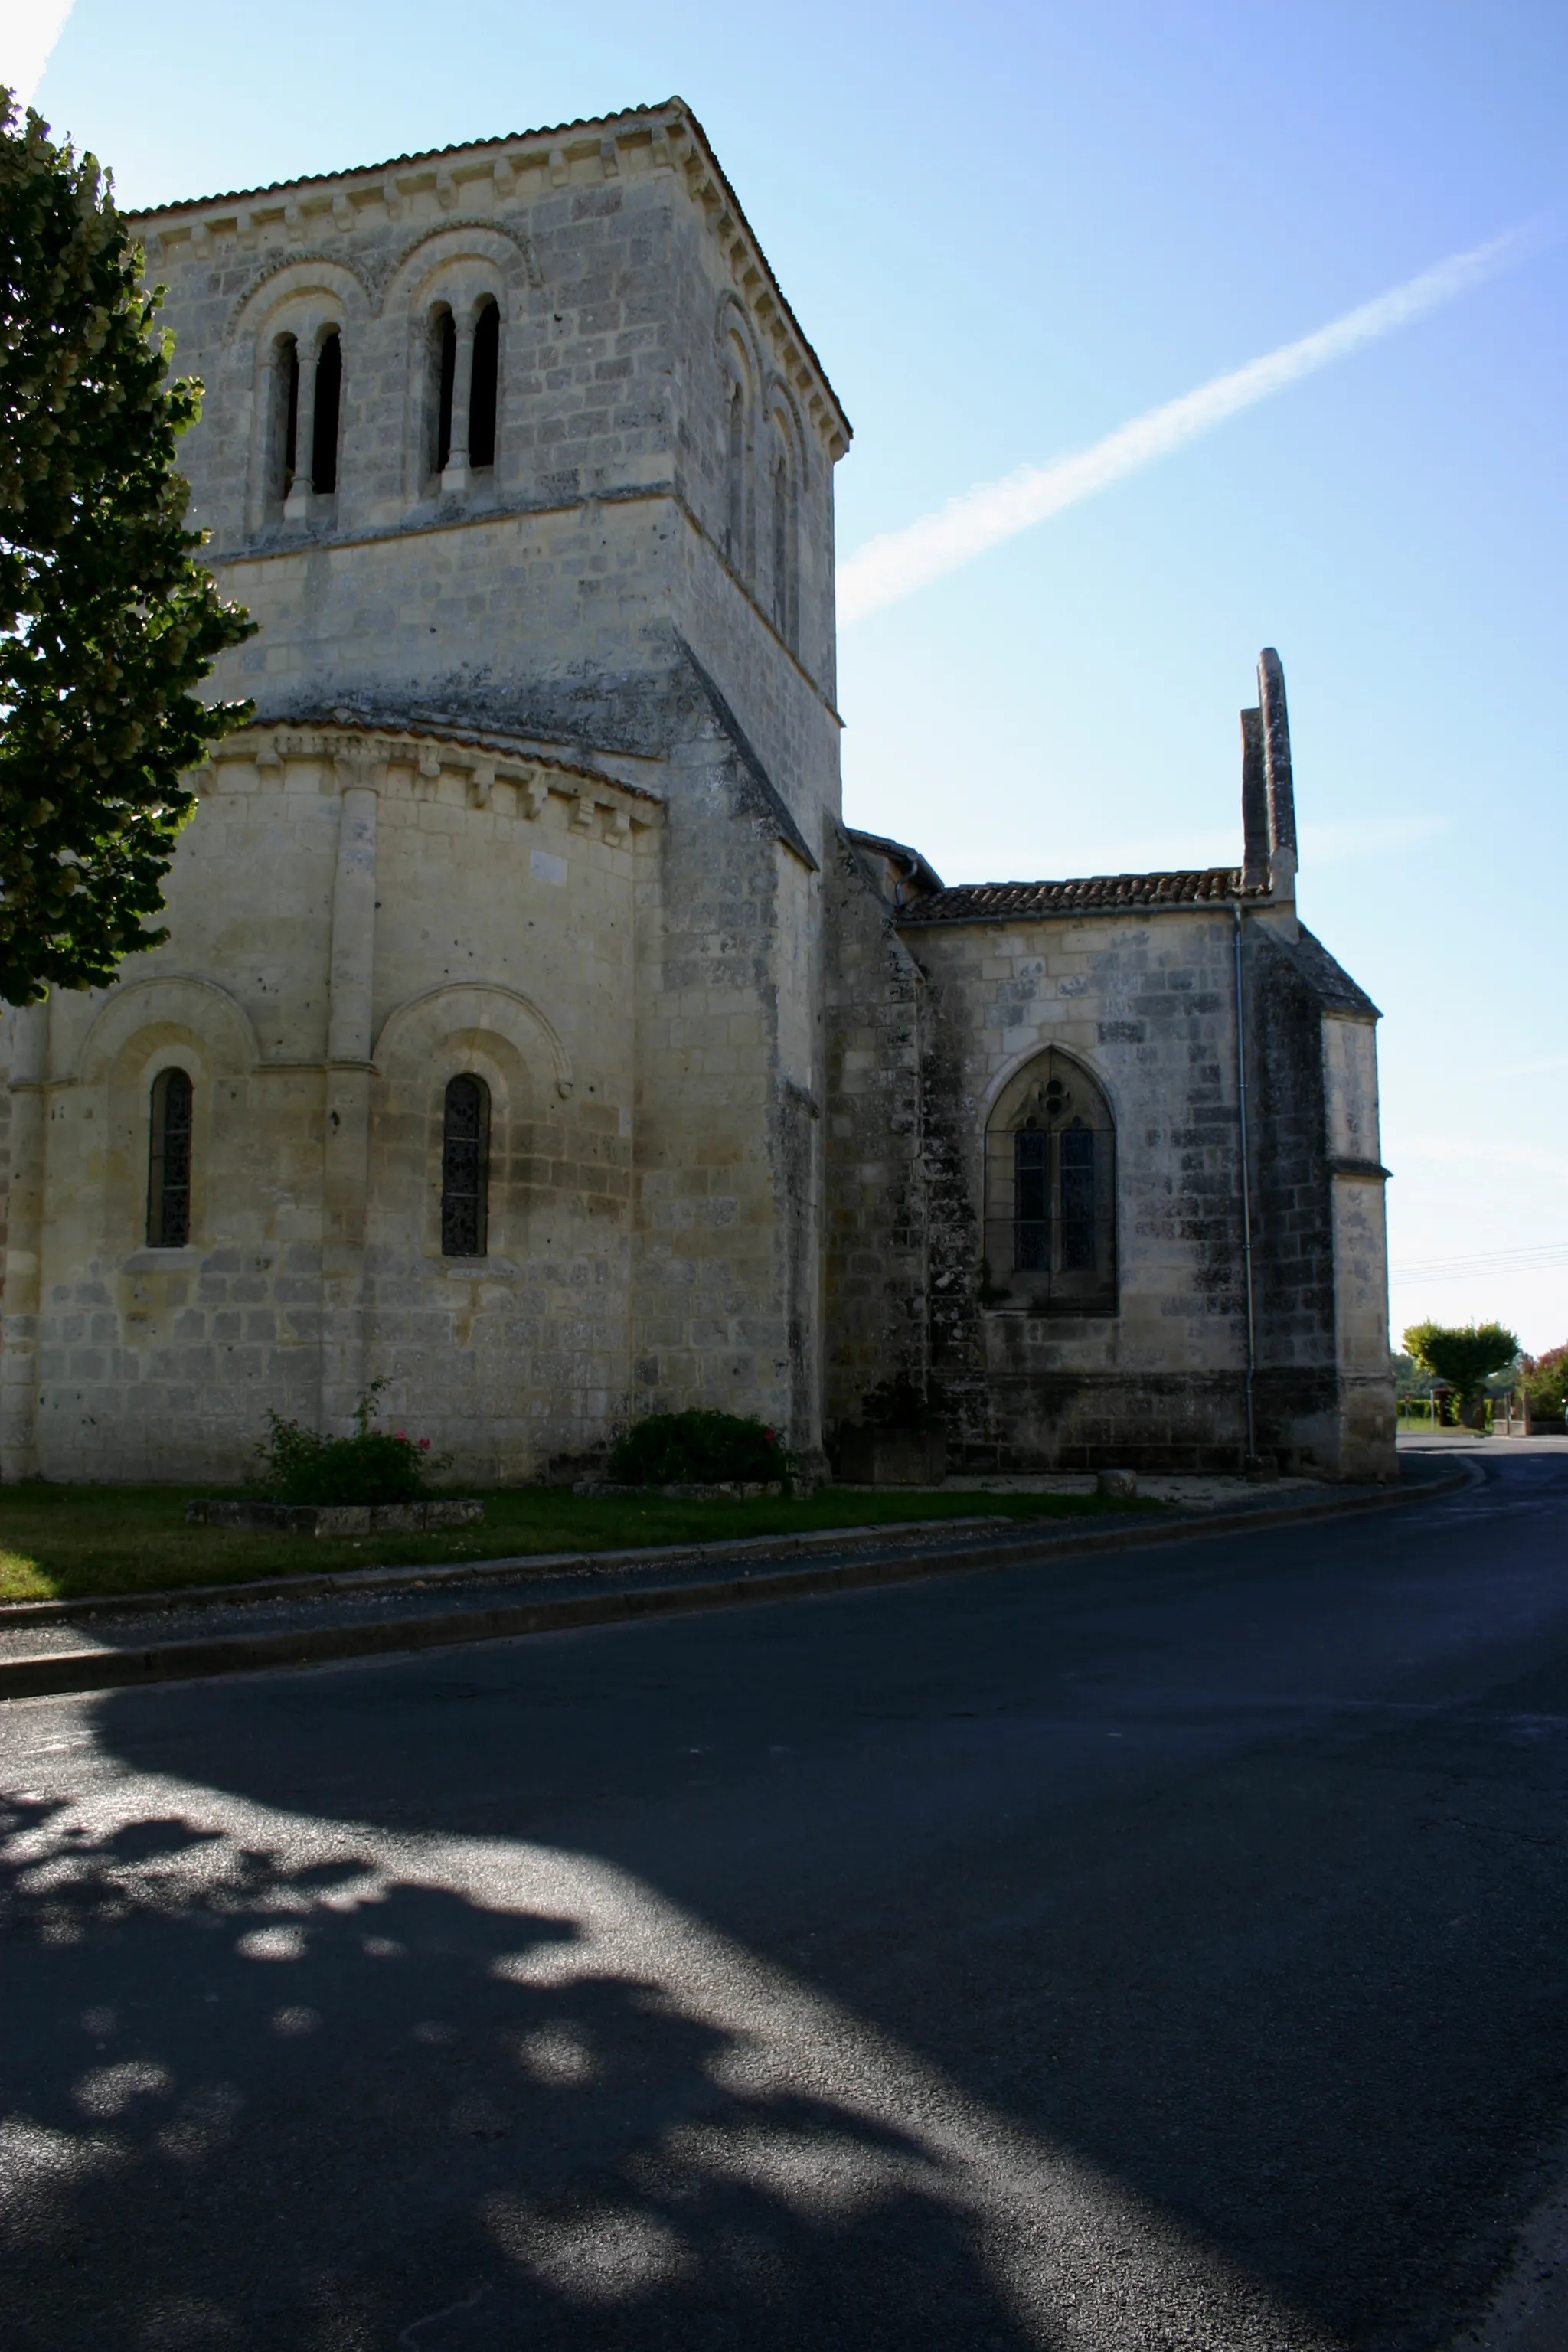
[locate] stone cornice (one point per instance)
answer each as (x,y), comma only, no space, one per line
(508,171)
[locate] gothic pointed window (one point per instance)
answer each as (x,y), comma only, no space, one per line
(169,1160)
(465,1167)
(485,387)
(1051,1183)
(328,411)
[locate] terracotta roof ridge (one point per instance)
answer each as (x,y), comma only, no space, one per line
(1178,886)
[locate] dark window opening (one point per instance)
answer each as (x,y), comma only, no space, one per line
(485,387)
(781,548)
(1077,1199)
(736,519)
(464,1171)
(1050,1188)
(288,393)
(169,1171)
(329,402)
(445,383)
(1032,1200)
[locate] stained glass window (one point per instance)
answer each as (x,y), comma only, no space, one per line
(1032,1200)
(1077,1147)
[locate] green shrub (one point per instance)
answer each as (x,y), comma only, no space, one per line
(1544,1380)
(373,1465)
(684,1449)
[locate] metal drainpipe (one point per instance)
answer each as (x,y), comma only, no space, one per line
(1245,1196)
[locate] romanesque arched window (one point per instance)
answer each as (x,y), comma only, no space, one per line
(1050,1191)
(735,476)
(327,415)
(169,1160)
(484,395)
(462,398)
(784,529)
(285,421)
(443,385)
(465,1167)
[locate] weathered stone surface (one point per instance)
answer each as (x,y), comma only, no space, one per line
(891,1457)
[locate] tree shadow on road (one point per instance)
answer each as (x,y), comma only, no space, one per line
(256,2101)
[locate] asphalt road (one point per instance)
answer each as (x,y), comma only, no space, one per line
(1166,1950)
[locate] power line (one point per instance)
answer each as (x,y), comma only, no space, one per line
(1544,1256)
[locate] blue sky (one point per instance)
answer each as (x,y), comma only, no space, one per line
(1009,230)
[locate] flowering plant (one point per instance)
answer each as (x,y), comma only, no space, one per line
(373,1465)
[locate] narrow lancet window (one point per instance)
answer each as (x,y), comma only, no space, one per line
(465,1170)
(781,548)
(169,1169)
(329,404)
(443,354)
(288,385)
(486,382)
(736,518)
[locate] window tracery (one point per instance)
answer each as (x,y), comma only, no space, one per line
(1050,1181)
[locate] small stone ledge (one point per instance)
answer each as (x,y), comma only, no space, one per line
(734,1490)
(335,1519)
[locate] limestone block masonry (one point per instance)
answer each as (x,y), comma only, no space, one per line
(532,1036)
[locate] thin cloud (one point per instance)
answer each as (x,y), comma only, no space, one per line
(900,561)
(28,39)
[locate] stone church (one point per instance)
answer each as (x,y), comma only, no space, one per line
(532,1034)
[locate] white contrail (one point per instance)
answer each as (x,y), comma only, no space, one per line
(900,561)
(28,31)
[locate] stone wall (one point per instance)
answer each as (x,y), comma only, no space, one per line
(499,937)
(875,1268)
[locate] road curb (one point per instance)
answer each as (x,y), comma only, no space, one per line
(62,1672)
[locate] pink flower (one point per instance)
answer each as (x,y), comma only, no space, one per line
(425,1445)
(401,1439)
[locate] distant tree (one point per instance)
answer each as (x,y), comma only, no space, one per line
(1465,1355)
(1544,1380)
(107,625)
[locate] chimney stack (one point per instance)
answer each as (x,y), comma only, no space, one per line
(1278,789)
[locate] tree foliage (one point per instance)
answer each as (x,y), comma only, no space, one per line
(106,622)
(1465,1355)
(1544,1380)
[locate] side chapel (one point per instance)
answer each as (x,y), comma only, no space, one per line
(532,1034)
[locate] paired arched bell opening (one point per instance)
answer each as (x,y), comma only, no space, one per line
(1050,1191)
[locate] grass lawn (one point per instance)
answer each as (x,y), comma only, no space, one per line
(59,1541)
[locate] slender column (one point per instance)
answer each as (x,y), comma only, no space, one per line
(346,1132)
(297,505)
(455,476)
(19,1301)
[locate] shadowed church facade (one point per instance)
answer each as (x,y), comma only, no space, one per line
(532,1034)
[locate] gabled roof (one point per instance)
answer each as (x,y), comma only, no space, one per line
(971,902)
